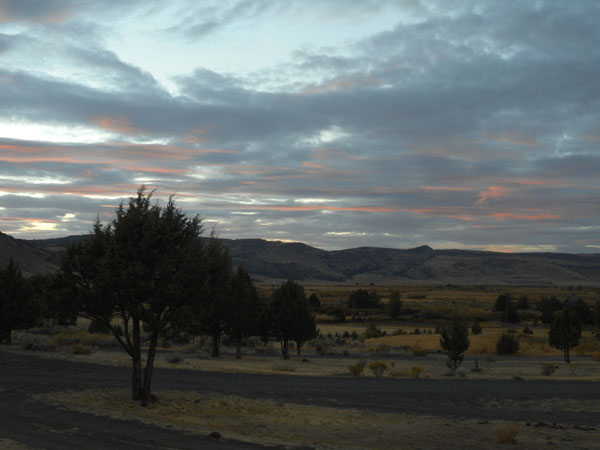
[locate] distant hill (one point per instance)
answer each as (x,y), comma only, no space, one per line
(31,260)
(274,261)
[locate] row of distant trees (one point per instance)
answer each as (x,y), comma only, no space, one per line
(510,308)
(146,275)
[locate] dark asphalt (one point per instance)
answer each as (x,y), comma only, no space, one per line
(43,426)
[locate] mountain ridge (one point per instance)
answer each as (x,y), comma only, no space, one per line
(271,261)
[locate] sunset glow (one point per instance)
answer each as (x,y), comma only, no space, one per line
(395,124)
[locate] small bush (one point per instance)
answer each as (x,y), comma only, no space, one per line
(527,330)
(507,344)
(378,368)
(321,346)
(548,369)
(476,328)
(174,359)
(417,372)
(78,349)
(398,332)
(357,369)
(506,433)
(373,332)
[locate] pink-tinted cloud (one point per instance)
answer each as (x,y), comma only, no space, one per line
(532,217)
(121,125)
(492,192)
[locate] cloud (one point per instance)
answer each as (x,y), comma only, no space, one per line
(468,123)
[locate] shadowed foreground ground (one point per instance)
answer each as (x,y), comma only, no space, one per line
(39,425)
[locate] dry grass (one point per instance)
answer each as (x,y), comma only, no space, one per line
(506,433)
(7,444)
(269,422)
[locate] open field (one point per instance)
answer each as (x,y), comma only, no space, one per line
(313,400)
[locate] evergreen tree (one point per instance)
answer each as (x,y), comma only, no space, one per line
(454,339)
(290,317)
(394,305)
(314,301)
(565,332)
(144,268)
(242,309)
(18,309)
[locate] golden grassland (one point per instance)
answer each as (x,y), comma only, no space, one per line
(270,422)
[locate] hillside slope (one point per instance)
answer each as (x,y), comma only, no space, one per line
(274,260)
(32,261)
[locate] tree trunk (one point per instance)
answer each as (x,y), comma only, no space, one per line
(216,345)
(284,348)
(567,355)
(238,349)
(147,393)
(136,376)
(298,348)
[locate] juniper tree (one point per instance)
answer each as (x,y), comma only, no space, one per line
(565,332)
(394,305)
(454,339)
(242,309)
(142,269)
(18,309)
(290,317)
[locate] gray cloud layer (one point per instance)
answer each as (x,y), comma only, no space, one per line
(472,124)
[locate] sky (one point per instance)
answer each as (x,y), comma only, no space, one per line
(455,124)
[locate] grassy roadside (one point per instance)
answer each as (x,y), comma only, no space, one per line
(270,422)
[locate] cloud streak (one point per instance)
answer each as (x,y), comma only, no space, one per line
(470,124)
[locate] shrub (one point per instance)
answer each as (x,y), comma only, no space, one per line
(372,332)
(378,368)
(506,433)
(527,330)
(398,332)
(416,372)
(548,369)
(476,328)
(174,359)
(78,349)
(321,346)
(357,369)
(507,344)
